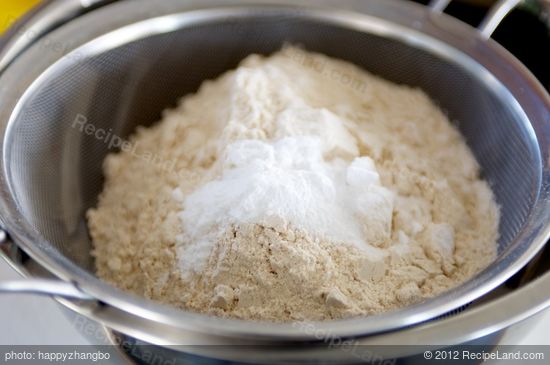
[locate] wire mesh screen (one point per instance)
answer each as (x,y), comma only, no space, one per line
(56,170)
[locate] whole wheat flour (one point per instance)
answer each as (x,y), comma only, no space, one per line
(296,187)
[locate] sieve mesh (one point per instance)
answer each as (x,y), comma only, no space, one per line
(56,169)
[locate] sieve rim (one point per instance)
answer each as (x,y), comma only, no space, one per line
(21,231)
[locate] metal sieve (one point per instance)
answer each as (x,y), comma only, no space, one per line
(120,65)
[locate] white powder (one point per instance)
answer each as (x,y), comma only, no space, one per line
(295,194)
(287,182)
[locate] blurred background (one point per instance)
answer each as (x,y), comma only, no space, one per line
(10,10)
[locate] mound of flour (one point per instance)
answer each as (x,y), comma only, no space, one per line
(294,187)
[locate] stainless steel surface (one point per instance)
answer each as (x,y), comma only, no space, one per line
(477,323)
(36,320)
(496,15)
(506,312)
(90,3)
(491,21)
(3,238)
(439,5)
(52,14)
(44,287)
(39,286)
(52,172)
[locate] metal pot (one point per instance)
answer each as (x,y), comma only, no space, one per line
(117,65)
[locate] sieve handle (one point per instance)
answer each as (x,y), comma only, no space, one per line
(491,21)
(50,287)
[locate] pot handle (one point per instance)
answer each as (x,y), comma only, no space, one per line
(50,287)
(493,18)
